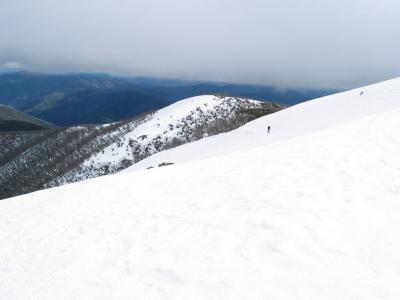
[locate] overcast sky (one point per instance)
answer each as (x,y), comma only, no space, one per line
(311,43)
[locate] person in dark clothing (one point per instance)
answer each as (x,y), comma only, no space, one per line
(269,129)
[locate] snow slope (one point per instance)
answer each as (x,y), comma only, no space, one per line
(295,121)
(315,216)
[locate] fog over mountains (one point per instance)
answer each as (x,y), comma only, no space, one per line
(285,43)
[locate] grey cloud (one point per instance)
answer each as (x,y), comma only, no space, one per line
(286,43)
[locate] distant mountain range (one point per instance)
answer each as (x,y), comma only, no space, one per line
(71,99)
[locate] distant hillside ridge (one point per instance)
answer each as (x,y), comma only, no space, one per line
(14,120)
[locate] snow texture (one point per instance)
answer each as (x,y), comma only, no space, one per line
(310,211)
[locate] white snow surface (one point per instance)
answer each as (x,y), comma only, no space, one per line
(313,216)
(295,121)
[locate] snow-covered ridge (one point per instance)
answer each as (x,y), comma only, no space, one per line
(182,122)
(169,122)
(310,217)
(292,122)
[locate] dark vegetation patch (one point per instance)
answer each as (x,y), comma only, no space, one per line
(164,164)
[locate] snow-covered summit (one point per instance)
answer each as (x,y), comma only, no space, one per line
(313,216)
